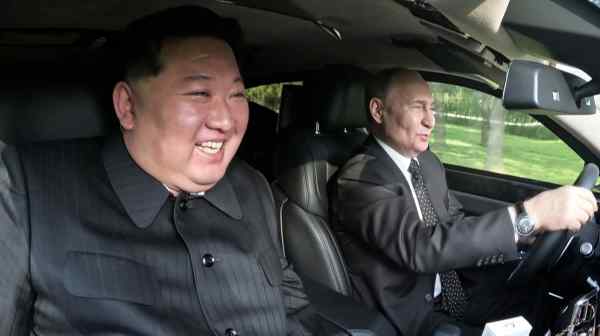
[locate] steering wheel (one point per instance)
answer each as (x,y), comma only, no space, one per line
(549,247)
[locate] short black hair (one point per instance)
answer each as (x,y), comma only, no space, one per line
(144,38)
(379,84)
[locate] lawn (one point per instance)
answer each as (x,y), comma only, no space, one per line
(545,160)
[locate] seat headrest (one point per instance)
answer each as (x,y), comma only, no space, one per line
(290,107)
(337,97)
(32,111)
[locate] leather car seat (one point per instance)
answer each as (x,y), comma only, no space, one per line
(320,139)
(39,110)
(290,108)
(258,146)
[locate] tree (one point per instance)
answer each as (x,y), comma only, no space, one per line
(495,138)
(486,104)
(441,99)
(266,95)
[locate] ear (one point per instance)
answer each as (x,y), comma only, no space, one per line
(376,110)
(123,102)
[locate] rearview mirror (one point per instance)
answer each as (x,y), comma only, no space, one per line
(542,89)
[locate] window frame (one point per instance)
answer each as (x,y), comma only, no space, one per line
(572,142)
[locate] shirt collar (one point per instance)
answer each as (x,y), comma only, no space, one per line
(401,161)
(173,192)
(223,197)
(143,196)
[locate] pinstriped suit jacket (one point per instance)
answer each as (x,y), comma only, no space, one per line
(392,257)
(91,244)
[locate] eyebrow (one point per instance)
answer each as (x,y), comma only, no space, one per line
(202,77)
(420,101)
(199,77)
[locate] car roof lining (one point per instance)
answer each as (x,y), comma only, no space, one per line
(32,31)
(363,26)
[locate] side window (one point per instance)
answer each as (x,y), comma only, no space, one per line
(268,95)
(474,130)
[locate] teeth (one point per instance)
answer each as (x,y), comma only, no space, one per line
(210,147)
(212,144)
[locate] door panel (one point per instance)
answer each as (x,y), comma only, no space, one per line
(480,191)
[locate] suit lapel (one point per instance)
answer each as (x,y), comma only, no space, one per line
(387,168)
(392,174)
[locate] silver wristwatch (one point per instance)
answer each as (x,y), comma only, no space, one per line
(524,225)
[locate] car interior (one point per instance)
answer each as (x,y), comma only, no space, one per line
(58,72)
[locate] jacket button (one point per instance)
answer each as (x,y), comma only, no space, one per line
(428,297)
(231,332)
(183,205)
(208,260)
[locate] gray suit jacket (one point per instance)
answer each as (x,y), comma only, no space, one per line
(91,244)
(392,256)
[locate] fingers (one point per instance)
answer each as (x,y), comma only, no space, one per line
(583,206)
(587,202)
(587,197)
(567,207)
(587,209)
(580,218)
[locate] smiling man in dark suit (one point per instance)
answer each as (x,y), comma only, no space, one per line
(157,229)
(404,235)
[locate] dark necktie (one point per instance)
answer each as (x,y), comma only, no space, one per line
(453,295)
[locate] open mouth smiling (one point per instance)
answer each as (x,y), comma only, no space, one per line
(210,147)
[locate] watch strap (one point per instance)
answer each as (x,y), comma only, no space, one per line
(520,207)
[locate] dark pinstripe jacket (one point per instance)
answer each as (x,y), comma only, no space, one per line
(391,255)
(91,244)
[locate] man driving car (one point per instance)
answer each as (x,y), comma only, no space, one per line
(403,233)
(156,229)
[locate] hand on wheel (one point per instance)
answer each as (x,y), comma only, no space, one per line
(564,208)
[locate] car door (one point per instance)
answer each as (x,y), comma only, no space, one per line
(495,157)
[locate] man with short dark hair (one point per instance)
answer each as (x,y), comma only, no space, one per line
(155,230)
(403,233)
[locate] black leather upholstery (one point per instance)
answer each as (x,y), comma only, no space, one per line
(258,146)
(290,107)
(33,111)
(306,161)
(338,99)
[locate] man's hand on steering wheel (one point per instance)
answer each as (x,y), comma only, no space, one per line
(558,213)
(564,208)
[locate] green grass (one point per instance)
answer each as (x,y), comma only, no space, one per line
(544,160)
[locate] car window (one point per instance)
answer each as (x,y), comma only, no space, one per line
(473,130)
(268,95)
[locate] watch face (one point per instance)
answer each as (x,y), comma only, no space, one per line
(525,226)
